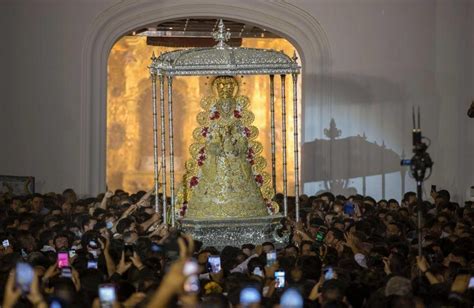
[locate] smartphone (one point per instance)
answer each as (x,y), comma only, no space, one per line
(66,272)
(128,252)
(433,188)
(258,272)
(471,283)
(291,298)
(190,270)
(24,276)
(321,234)
(6,243)
(328,273)
(156,247)
(92,264)
(93,244)
(72,253)
(271,258)
(249,296)
(214,264)
(107,295)
(279,279)
(63,259)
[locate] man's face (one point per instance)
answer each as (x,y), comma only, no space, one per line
(61,243)
(247,252)
(291,252)
(90,225)
(37,204)
(330,239)
(70,197)
(104,232)
(267,248)
(338,208)
(306,250)
(16,204)
(393,206)
(459,229)
(325,199)
(392,230)
(80,209)
(132,239)
(340,226)
(66,207)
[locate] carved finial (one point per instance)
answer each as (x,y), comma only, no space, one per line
(295,57)
(221,35)
(333,132)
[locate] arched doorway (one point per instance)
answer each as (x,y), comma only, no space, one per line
(301,29)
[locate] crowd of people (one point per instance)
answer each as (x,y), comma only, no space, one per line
(114,250)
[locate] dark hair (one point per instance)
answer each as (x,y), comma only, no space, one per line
(268,244)
(124,224)
(328,195)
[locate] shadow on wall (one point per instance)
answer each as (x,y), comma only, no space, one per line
(335,161)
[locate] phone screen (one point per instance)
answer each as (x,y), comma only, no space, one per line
(258,272)
(63,259)
(215,264)
(6,243)
(279,279)
(250,296)
(471,283)
(92,264)
(107,294)
(190,270)
(66,272)
(271,258)
(24,276)
(291,298)
(156,247)
(328,273)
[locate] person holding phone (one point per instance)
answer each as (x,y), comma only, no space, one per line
(23,281)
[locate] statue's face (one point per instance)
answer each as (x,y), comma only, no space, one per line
(225,87)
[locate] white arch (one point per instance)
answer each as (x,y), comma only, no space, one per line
(285,19)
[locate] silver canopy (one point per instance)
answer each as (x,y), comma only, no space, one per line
(223,60)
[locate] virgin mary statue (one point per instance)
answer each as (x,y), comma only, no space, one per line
(224,177)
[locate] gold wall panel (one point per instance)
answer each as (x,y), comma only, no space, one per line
(130,120)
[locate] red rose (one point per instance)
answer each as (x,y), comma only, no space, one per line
(237,114)
(194,181)
(247,132)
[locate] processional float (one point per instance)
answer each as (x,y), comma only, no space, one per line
(225,197)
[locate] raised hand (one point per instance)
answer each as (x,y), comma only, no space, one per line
(11,294)
(123,266)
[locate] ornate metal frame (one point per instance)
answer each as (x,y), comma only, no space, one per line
(221,60)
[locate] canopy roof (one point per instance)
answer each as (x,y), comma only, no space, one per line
(224,60)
